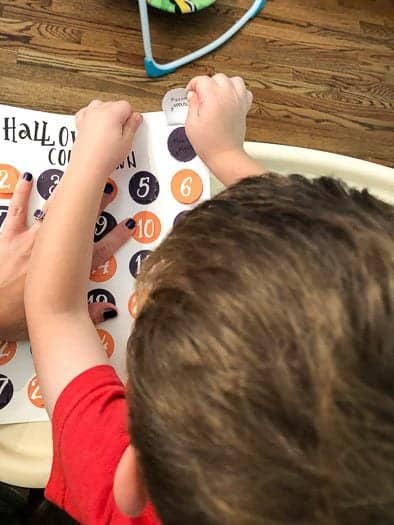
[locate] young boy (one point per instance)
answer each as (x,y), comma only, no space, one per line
(261,363)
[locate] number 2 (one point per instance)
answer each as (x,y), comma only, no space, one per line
(3,180)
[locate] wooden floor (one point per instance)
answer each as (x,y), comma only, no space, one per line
(322,71)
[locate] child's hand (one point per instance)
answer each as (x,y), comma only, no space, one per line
(216,122)
(105,135)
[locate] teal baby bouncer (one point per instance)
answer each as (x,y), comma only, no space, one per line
(154,69)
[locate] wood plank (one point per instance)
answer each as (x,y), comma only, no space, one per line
(322,71)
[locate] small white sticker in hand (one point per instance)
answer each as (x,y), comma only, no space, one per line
(175,106)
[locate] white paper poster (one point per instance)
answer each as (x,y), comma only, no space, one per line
(161,178)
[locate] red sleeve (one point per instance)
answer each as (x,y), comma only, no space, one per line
(89,437)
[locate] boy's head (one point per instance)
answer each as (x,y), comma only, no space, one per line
(262,361)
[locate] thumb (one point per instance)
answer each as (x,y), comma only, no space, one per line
(194,104)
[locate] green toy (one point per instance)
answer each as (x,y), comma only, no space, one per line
(153,68)
(180,6)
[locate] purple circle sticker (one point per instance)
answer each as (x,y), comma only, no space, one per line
(104,224)
(6,390)
(179,145)
(3,214)
(144,187)
(180,217)
(99,295)
(137,260)
(47,182)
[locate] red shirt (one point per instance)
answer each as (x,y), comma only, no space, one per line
(89,437)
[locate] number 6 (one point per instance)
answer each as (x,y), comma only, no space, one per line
(186,187)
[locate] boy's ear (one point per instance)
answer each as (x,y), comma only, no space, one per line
(129,488)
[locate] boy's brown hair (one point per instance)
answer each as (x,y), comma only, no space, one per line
(262,362)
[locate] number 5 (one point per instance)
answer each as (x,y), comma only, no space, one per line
(143,185)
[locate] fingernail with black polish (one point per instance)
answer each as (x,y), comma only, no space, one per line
(27,176)
(130,224)
(39,214)
(108,188)
(109,313)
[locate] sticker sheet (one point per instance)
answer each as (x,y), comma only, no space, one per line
(160,179)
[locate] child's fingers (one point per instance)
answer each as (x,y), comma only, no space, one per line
(199,84)
(16,220)
(107,246)
(131,125)
(95,104)
(80,115)
(194,104)
(242,91)
(121,109)
(221,80)
(100,312)
(249,96)
(239,86)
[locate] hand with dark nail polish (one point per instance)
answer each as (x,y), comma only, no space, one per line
(108,188)
(130,224)
(109,313)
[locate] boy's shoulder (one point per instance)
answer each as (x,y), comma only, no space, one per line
(90,435)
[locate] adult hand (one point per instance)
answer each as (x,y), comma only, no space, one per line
(16,242)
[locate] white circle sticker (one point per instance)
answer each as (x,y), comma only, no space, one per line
(175,106)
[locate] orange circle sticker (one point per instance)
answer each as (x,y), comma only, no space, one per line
(147,227)
(34,393)
(107,341)
(7,352)
(186,186)
(104,272)
(8,179)
(133,306)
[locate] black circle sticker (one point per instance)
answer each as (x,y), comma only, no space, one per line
(3,214)
(47,182)
(104,224)
(6,390)
(179,145)
(99,295)
(144,187)
(137,260)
